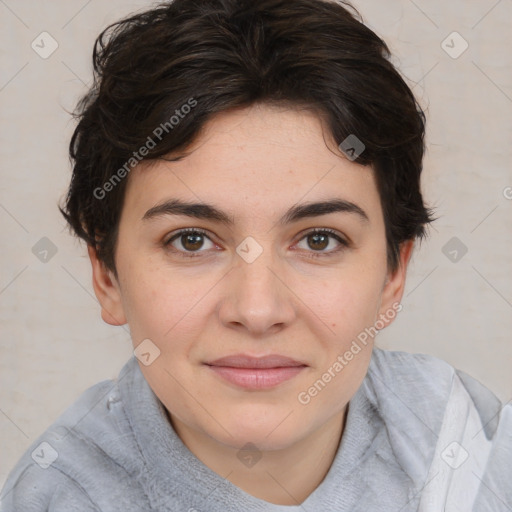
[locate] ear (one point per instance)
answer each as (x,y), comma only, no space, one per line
(107,291)
(394,286)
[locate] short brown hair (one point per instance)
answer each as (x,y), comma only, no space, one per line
(226,54)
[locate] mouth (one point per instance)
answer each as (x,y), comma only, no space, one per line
(256,373)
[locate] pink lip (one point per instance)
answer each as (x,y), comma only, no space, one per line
(256,372)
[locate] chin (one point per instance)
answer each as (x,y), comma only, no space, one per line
(267,435)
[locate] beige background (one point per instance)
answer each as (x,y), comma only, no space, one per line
(54,344)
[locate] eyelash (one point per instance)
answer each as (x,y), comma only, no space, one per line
(314,254)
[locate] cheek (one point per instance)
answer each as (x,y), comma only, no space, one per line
(162,305)
(348,307)
(346,302)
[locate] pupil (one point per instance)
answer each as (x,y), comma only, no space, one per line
(196,241)
(316,237)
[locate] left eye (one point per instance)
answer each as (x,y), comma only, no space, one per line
(319,239)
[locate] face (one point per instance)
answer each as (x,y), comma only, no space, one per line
(260,273)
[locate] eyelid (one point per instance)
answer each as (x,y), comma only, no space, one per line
(333,232)
(343,241)
(184,231)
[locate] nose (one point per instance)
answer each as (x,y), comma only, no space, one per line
(257,297)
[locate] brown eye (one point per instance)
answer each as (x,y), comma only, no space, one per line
(189,242)
(319,240)
(192,242)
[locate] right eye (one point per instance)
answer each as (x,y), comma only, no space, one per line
(191,241)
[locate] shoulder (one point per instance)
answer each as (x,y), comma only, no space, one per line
(89,442)
(412,379)
(459,429)
(30,488)
(431,412)
(406,365)
(425,383)
(42,473)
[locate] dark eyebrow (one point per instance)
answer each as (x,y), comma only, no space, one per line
(209,212)
(302,211)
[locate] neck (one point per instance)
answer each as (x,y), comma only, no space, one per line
(283,477)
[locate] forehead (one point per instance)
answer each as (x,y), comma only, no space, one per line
(255,162)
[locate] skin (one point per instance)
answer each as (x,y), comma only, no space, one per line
(254,163)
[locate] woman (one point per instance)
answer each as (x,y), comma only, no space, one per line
(247,179)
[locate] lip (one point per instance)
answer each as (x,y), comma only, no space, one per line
(255,373)
(246,361)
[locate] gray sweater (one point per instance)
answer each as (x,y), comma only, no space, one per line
(115,450)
